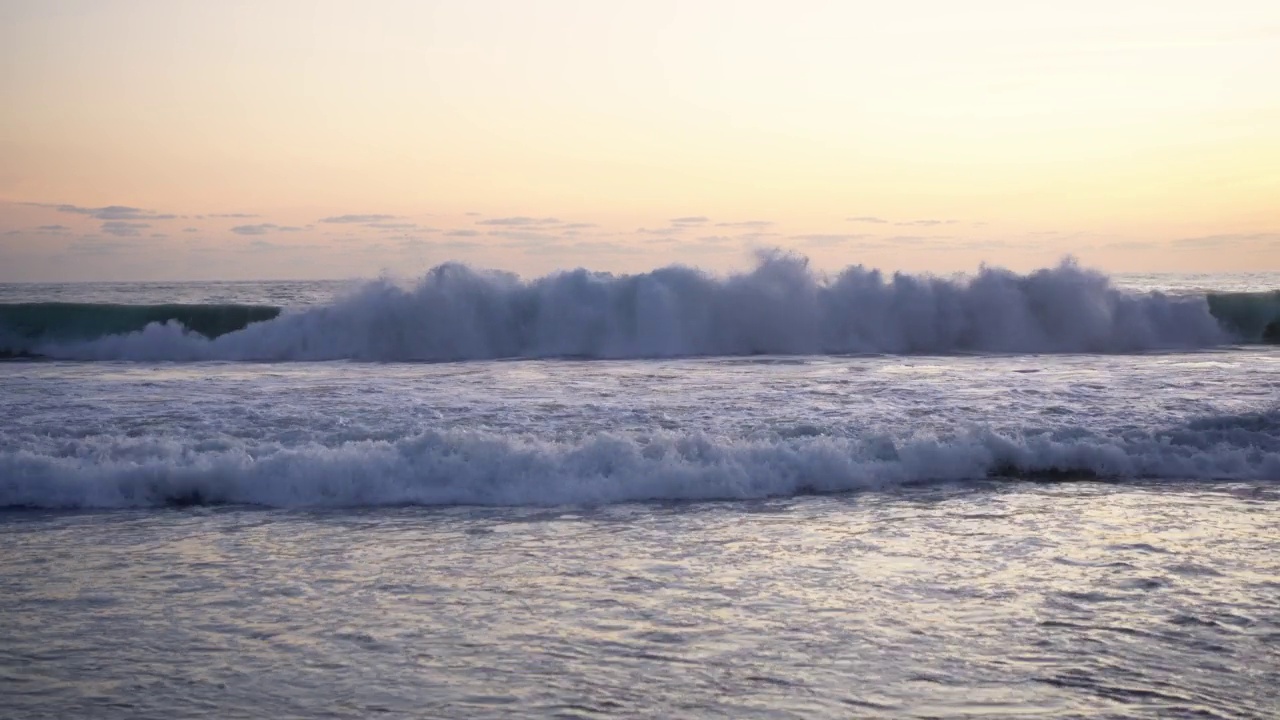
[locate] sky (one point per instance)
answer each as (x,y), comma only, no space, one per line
(277,139)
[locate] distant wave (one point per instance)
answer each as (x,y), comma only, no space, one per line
(781,307)
(27,326)
(484,468)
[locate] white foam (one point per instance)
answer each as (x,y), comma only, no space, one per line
(781,307)
(471,467)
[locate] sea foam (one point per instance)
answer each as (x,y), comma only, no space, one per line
(472,467)
(782,306)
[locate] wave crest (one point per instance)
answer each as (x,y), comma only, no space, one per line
(781,307)
(460,467)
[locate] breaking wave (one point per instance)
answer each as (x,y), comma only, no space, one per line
(781,307)
(485,468)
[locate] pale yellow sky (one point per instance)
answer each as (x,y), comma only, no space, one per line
(150,139)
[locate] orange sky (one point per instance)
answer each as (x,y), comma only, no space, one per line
(150,139)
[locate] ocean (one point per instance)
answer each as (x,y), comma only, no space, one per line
(778,494)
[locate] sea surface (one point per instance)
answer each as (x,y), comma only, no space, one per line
(774,495)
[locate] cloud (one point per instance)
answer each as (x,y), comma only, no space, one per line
(666,231)
(910,239)
(713,244)
(519,221)
(373,218)
(525,236)
(92,245)
(263,229)
(1224,240)
(53,228)
(757,224)
(119,228)
(268,246)
(190,229)
(1202,242)
(985,244)
(690,220)
(1127,245)
(926,223)
(462,233)
(583,248)
(827,239)
(112,212)
(579,226)
(866,219)
(418,245)
(393,226)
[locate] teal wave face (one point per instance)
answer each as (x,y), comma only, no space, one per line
(24,324)
(1252,317)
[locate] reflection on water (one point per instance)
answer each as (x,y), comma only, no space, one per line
(1081,600)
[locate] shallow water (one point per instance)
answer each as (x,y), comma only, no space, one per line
(981,600)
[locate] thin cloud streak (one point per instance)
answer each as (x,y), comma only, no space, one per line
(358,219)
(263,229)
(519,221)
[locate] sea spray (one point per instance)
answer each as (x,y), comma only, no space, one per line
(782,307)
